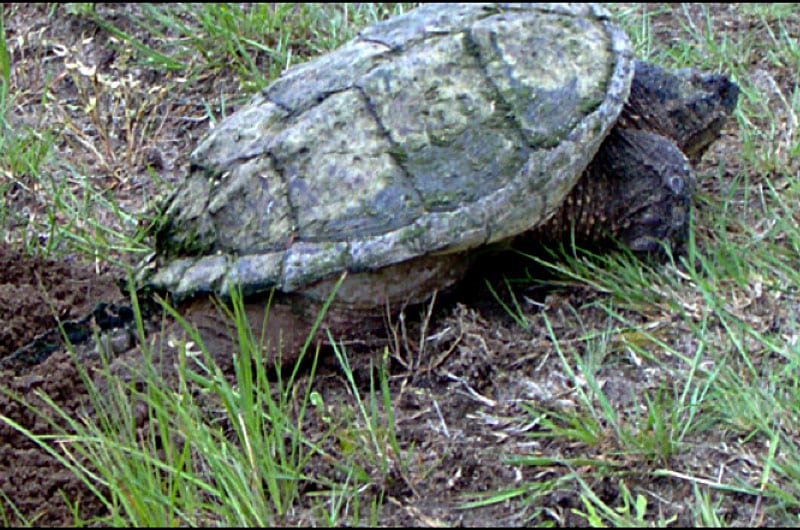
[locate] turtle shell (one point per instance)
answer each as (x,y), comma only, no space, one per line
(434,132)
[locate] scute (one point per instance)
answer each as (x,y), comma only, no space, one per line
(550,69)
(307,84)
(434,132)
(441,112)
(335,161)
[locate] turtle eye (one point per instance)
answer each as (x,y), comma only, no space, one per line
(676,183)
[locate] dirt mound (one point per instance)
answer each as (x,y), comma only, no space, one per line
(42,489)
(33,292)
(36,292)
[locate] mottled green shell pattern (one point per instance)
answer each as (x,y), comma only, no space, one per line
(444,129)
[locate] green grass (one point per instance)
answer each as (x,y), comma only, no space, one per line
(718,328)
(257,42)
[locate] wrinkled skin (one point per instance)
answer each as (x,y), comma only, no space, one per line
(686,106)
(638,188)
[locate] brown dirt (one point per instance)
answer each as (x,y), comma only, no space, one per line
(34,290)
(33,294)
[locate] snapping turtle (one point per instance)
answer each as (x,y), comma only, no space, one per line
(448,129)
(434,133)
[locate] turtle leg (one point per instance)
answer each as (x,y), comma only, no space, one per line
(650,185)
(636,191)
(278,330)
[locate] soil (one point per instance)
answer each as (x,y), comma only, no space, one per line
(462,395)
(34,295)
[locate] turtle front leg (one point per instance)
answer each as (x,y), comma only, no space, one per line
(637,191)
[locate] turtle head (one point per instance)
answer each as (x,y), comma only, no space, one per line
(687,106)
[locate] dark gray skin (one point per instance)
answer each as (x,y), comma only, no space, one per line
(638,188)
